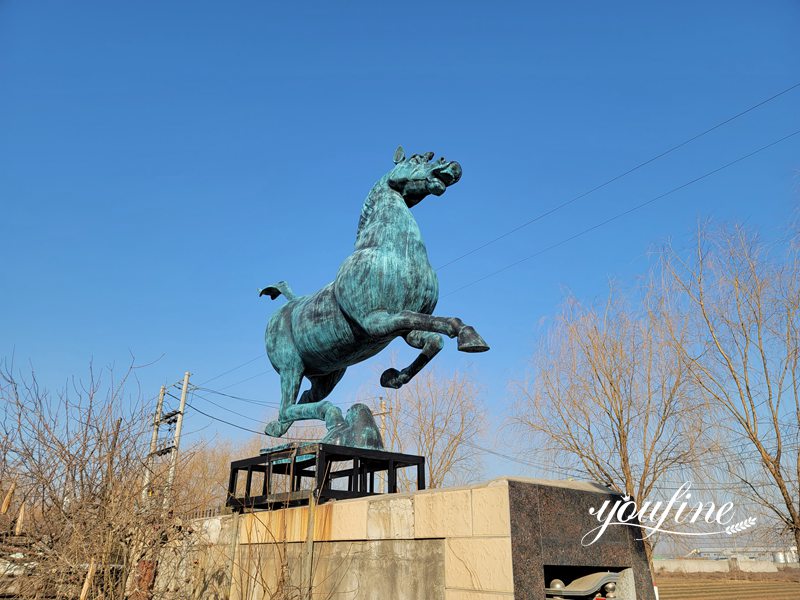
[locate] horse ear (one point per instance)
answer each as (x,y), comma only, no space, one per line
(399,155)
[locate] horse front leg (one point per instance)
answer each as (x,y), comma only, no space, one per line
(290,386)
(430,344)
(384,324)
(312,404)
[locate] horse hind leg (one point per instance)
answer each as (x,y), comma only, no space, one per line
(321,386)
(381,323)
(429,343)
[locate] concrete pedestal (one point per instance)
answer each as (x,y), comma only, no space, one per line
(507,538)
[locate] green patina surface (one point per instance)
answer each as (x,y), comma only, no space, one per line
(385,289)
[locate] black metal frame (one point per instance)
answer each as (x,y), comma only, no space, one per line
(301,461)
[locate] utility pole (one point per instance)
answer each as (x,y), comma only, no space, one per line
(161,419)
(148,473)
(147,568)
(177,440)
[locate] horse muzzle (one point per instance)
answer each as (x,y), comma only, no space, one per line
(448,173)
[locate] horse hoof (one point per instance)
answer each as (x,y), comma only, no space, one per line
(470,341)
(332,415)
(392,378)
(276,428)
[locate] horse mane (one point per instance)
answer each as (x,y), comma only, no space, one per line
(366,212)
(368,208)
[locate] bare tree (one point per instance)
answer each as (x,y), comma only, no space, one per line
(202,478)
(76,461)
(742,354)
(440,418)
(609,396)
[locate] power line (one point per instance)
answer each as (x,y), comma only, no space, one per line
(245,379)
(230,410)
(198,430)
(526,462)
(223,420)
(236,368)
(339,403)
(240,398)
(571,472)
(732,457)
(541,466)
(173,396)
(212,417)
(622,214)
(616,178)
(248,417)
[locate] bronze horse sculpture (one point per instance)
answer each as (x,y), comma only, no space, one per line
(385,289)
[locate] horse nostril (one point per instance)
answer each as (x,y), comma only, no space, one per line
(447,172)
(455,171)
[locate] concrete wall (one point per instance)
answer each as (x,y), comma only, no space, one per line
(757,566)
(699,565)
(680,565)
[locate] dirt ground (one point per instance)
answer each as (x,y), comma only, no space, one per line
(792,575)
(783,585)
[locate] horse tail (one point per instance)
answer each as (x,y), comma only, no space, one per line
(276,289)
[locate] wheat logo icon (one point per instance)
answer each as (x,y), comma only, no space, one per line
(740,526)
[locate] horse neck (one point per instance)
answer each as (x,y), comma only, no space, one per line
(381,199)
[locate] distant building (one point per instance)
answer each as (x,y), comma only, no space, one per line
(777,554)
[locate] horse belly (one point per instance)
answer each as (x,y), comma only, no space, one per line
(376,279)
(324,338)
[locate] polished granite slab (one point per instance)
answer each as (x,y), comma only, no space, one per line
(548,521)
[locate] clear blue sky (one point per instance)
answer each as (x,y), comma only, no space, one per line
(161,161)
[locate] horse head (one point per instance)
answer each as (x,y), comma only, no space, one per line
(416,177)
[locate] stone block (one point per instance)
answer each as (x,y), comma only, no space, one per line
(289,524)
(479,564)
(490,513)
(441,513)
(345,520)
(390,519)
